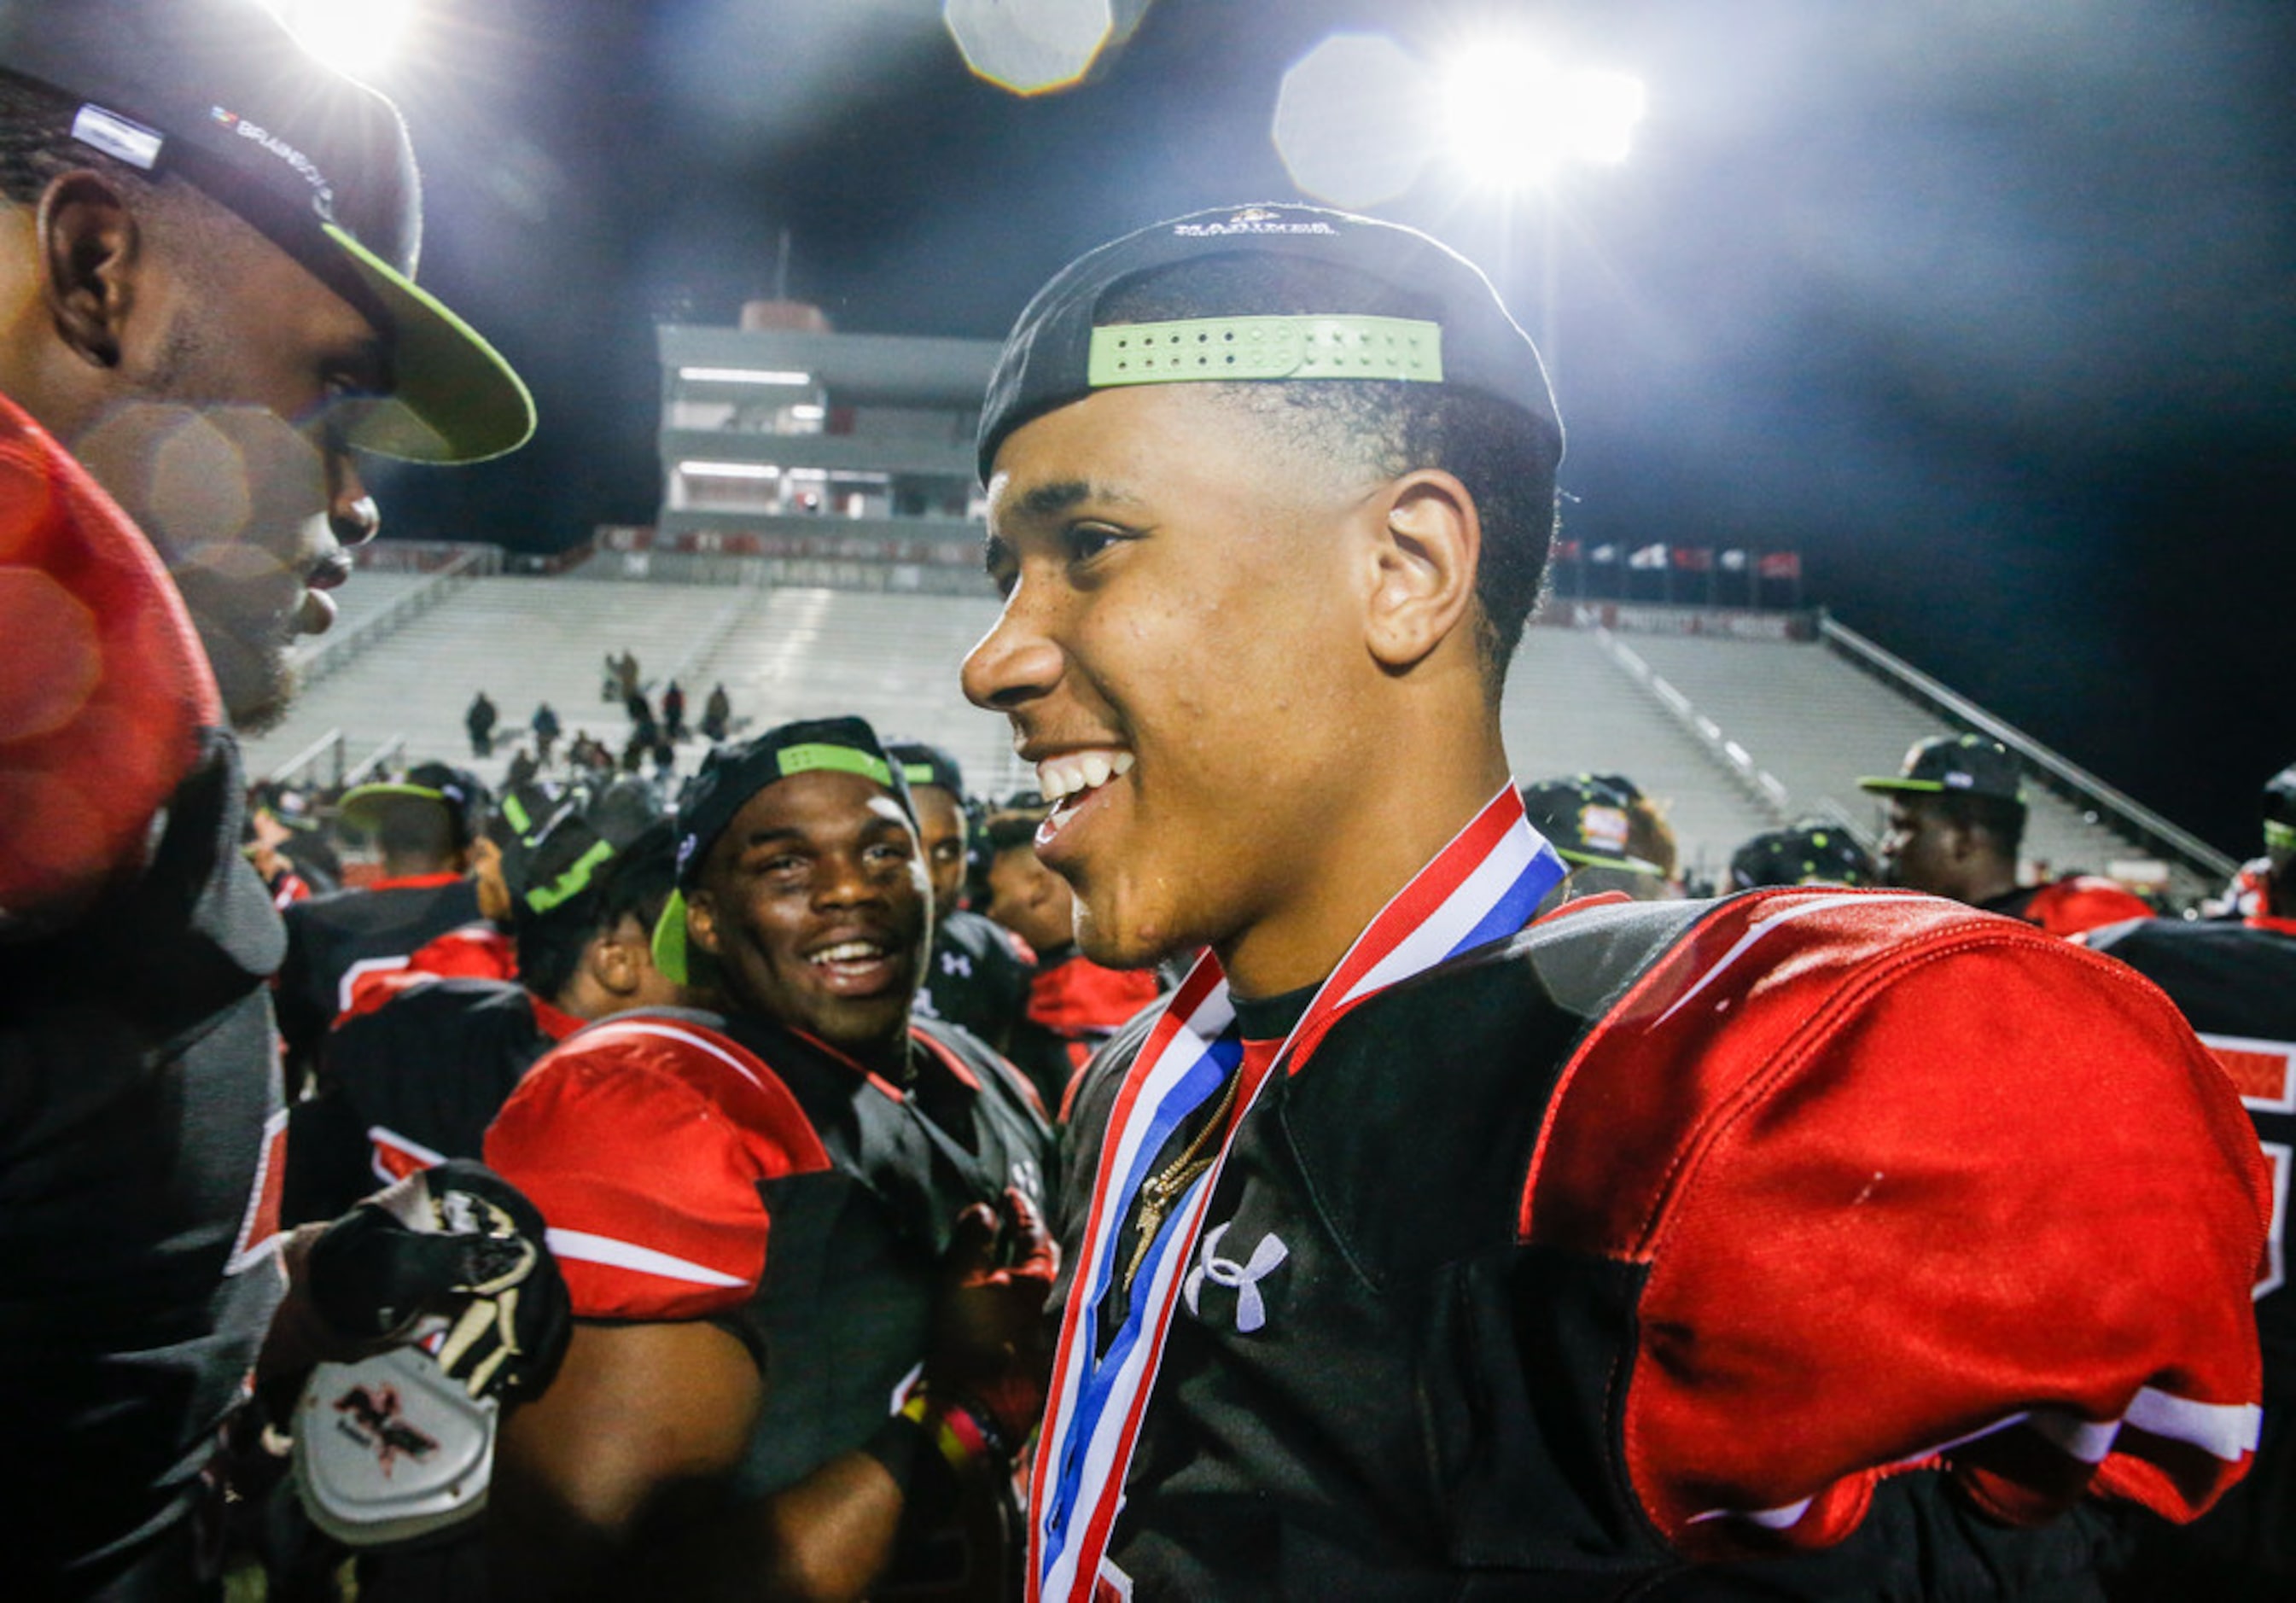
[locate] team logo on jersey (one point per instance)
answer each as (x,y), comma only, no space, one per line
(1242,1279)
(373,1418)
(956,963)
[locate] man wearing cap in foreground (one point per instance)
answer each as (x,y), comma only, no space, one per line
(978,974)
(1956,818)
(801,1236)
(1413,1252)
(206,253)
(425,828)
(2235,981)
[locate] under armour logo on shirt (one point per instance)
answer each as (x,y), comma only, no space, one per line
(956,963)
(1242,1279)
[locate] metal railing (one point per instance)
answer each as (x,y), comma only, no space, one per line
(1767,790)
(331,743)
(2077,785)
(334,651)
(379,761)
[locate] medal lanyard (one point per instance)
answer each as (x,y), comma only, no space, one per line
(1481,887)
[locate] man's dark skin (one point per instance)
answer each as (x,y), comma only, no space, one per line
(1929,847)
(611,1467)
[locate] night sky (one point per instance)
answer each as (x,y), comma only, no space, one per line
(1988,307)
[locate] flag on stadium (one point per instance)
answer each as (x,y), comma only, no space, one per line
(1734,561)
(1695,559)
(1781,565)
(1646,556)
(1566,551)
(1603,554)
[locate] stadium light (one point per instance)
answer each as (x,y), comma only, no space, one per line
(359,38)
(1516,117)
(746,375)
(728,469)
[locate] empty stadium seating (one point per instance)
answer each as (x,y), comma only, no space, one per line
(1731,736)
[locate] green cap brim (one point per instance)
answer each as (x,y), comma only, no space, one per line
(1891,783)
(670,940)
(454,397)
(1625,865)
(358,803)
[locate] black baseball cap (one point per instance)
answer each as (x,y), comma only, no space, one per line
(457,790)
(1966,765)
(1810,852)
(1443,324)
(557,871)
(923,764)
(733,774)
(219,92)
(1586,820)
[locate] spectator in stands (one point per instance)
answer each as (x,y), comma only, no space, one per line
(1957,819)
(424,827)
(673,711)
(188,330)
(522,768)
(776,1220)
(546,729)
(717,714)
(978,973)
(622,672)
(1074,1005)
(1810,852)
(2235,981)
(1590,821)
(480,720)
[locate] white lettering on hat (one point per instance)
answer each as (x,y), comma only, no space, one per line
(323,193)
(118,137)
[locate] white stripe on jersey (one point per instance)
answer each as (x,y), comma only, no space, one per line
(585,1248)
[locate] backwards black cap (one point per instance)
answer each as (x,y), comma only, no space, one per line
(923,764)
(1811,852)
(2280,813)
(733,774)
(1461,337)
(219,92)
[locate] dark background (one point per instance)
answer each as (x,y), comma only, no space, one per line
(1988,307)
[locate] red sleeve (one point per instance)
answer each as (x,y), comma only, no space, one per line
(1915,1188)
(643,1141)
(107,688)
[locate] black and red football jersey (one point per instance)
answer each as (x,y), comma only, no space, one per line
(1804,1245)
(411,1080)
(693,1167)
(2067,906)
(335,941)
(977,977)
(140,1123)
(2236,983)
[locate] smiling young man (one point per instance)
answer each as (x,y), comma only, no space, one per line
(1413,1252)
(773,1220)
(208,244)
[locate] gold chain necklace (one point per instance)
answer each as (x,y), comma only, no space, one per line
(1160,1191)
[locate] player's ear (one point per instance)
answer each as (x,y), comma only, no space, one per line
(90,248)
(701,923)
(1424,556)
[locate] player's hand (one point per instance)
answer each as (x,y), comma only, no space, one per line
(990,1347)
(459,1242)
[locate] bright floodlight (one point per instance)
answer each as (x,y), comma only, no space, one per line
(1035,46)
(354,36)
(1353,120)
(1515,117)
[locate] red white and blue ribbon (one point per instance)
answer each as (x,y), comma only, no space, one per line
(1482,887)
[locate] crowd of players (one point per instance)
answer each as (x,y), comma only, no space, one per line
(1314,1164)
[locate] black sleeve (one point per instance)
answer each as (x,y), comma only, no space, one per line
(327,1168)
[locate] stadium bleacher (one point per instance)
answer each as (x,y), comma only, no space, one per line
(1730,735)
